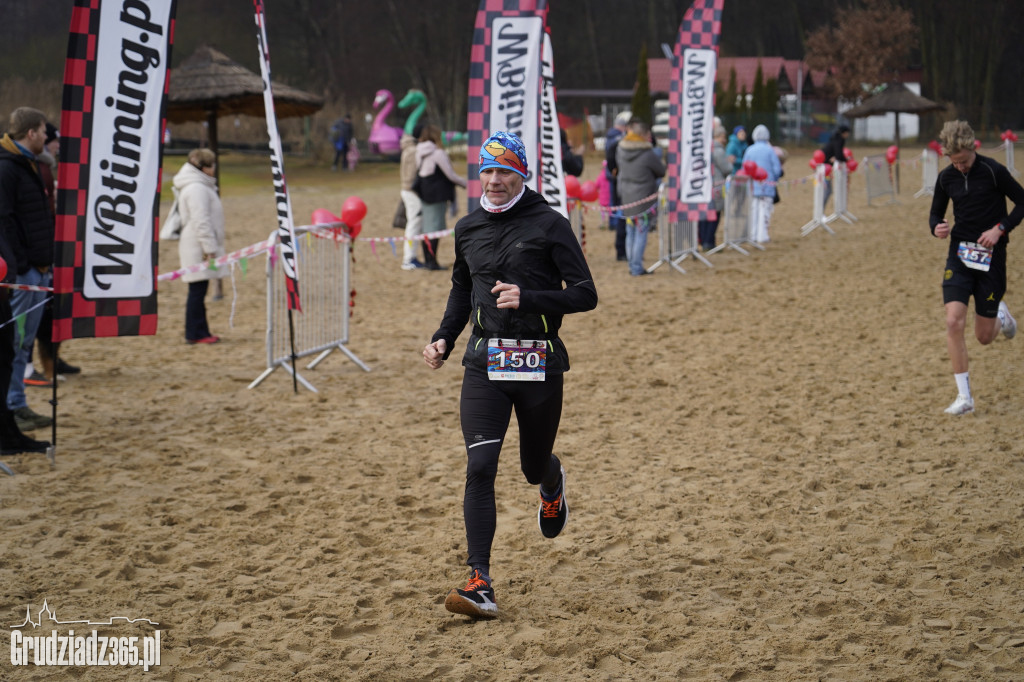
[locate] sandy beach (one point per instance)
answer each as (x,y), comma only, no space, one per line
(762,481)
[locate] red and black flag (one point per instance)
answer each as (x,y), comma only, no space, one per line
(108,199)
(692,111)
(505,83)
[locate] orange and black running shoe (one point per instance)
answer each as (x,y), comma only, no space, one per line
(553,513)
(475,599)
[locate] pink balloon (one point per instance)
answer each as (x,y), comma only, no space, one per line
(572,187)
(812,163)
(588,191)
(847,153)
(3,268)
(851,165)
(892,153)
(977,144)
(818,156)
(352,211)
(322,216)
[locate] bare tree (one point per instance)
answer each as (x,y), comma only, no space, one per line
(865,47)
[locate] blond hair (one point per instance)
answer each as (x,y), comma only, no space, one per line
(24,119)
(956,136)
(202,158)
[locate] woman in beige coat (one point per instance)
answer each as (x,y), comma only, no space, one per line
(202,237)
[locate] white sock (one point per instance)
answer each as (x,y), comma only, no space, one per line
(963,384)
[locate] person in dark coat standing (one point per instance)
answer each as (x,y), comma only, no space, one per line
(341,135)
(834,150)
(615,219)
(27,229)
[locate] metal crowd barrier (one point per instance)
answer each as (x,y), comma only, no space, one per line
(735,224)
(841,194)
(676,241)
(325,283)
(878,179)
(929,173)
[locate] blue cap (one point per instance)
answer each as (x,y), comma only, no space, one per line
(503,150)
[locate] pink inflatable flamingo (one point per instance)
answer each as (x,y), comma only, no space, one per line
(384,139)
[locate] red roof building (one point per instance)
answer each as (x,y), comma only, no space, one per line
(787,72)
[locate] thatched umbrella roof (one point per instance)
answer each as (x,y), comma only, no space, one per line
(209,84)
(210,81)
(897,98)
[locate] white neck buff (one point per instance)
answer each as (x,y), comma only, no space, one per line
(492,208)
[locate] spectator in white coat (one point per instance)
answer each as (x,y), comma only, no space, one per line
(202,237)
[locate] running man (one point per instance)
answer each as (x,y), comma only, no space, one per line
(512,255)
(976,262)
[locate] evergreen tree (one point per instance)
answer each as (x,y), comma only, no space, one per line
(641,106)
(771,94)
(757,103)
(727,105)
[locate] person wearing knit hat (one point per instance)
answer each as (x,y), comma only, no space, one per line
(503,150)
(512,255)
(736,146)
(763,192)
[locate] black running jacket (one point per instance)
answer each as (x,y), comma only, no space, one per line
(532,246)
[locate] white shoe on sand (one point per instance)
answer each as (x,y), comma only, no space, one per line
(962,405)
(1009,324)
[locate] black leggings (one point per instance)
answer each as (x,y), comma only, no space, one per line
(486,408)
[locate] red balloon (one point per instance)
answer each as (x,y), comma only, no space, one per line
(354,230)
(892,153)
(851,165)
(322,216)
(977,144)
(848,153)
(935,147)
(818,156)
(588,191)
(812,163)
(828,171)
(572,187)
(760,174)
(3,268)
(352,211)
(750,168)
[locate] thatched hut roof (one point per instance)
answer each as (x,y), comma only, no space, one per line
(896,97)
(210,82)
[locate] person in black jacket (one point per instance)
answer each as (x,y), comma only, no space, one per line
(27,231)
(834,150)
(512,256)
(616,221)
(572,163)
(976,260)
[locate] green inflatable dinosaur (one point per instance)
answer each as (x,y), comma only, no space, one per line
(417,98)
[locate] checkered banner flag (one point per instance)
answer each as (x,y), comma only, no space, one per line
(285,220)
(108,198)
(692,111)
(505,83)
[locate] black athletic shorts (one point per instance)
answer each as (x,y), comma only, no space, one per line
(960,283)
